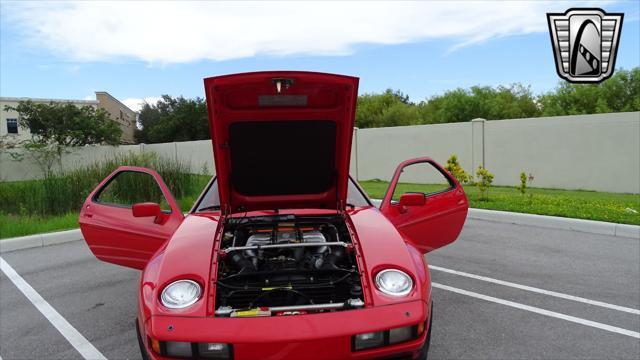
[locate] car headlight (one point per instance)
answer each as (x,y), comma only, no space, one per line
(394,282)
(180,294)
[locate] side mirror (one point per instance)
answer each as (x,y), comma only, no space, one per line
(147,209)
(412,199)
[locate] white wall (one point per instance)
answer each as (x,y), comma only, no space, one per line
(380,150)
(591,152)
(595,152)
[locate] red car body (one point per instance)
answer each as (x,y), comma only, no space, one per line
(169,246)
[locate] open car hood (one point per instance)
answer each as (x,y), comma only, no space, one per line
(281,139)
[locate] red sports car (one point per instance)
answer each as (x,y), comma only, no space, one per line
(283,256)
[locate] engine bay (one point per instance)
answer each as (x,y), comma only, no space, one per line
(286,265)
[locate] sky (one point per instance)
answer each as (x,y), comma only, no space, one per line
(138,51)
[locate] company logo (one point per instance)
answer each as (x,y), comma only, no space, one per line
(585,42)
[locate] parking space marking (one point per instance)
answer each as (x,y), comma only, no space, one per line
(540,311)
(537,290)
(79,342)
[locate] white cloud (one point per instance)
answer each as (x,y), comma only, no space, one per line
(135,104)
(175,32)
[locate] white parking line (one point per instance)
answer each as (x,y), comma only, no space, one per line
(540,311)
(79,342)
(537,290)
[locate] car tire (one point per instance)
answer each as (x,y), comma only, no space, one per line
(424,351)
(143,350)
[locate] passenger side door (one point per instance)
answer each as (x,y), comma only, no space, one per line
(128,217)
(425,203)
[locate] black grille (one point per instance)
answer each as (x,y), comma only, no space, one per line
(287,290)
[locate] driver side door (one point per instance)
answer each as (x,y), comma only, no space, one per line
(425,203)
(129,216)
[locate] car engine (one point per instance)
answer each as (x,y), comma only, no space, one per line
(286,265)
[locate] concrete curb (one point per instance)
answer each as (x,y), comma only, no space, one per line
(553,222)
(39,240)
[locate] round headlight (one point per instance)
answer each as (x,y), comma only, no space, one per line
(394,282)
(180,294)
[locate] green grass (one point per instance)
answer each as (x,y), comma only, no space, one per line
(590,205)
(12,225)
(15,225)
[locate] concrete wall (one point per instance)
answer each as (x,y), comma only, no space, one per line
(569,152)
(591,152)
(380,150)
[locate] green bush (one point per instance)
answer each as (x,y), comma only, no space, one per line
(63,192)
(522,188)
(454,168)
(485,178)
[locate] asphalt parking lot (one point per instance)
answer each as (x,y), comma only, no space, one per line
(502,291)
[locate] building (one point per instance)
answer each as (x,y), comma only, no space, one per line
(120,113)
(116,109)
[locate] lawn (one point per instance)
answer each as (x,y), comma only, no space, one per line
(591,205)
(14,225)
(611,207)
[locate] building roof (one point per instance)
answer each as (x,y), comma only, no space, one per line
(75,101)
(118,101)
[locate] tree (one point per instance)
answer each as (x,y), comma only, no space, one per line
(180,119)
(173,119)
(148,116)
(502,102)
(66,124)
(619,93)
(55,127)
(387,109)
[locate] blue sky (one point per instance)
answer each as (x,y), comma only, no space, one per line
(138,52)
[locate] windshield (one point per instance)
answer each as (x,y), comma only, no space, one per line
(211,199)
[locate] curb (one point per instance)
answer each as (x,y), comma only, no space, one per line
(552,222)
(39,240)
(555,222)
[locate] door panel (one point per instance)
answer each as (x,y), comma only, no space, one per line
(112,232)
(435,222)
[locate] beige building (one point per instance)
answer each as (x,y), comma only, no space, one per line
(120,113)
(116,109)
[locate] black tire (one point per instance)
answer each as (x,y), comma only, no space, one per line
(424,352)
(143,350)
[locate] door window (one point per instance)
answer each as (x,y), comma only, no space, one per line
(131,187)
(421,177)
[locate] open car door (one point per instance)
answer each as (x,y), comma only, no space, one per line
(129,216)
(425,203)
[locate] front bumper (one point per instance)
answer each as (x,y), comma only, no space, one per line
(316,336)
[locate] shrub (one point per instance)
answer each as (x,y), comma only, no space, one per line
(454,168)
(522,188)
(485,178)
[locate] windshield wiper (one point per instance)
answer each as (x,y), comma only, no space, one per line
(213,207)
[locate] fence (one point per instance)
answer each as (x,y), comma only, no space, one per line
(591,152)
